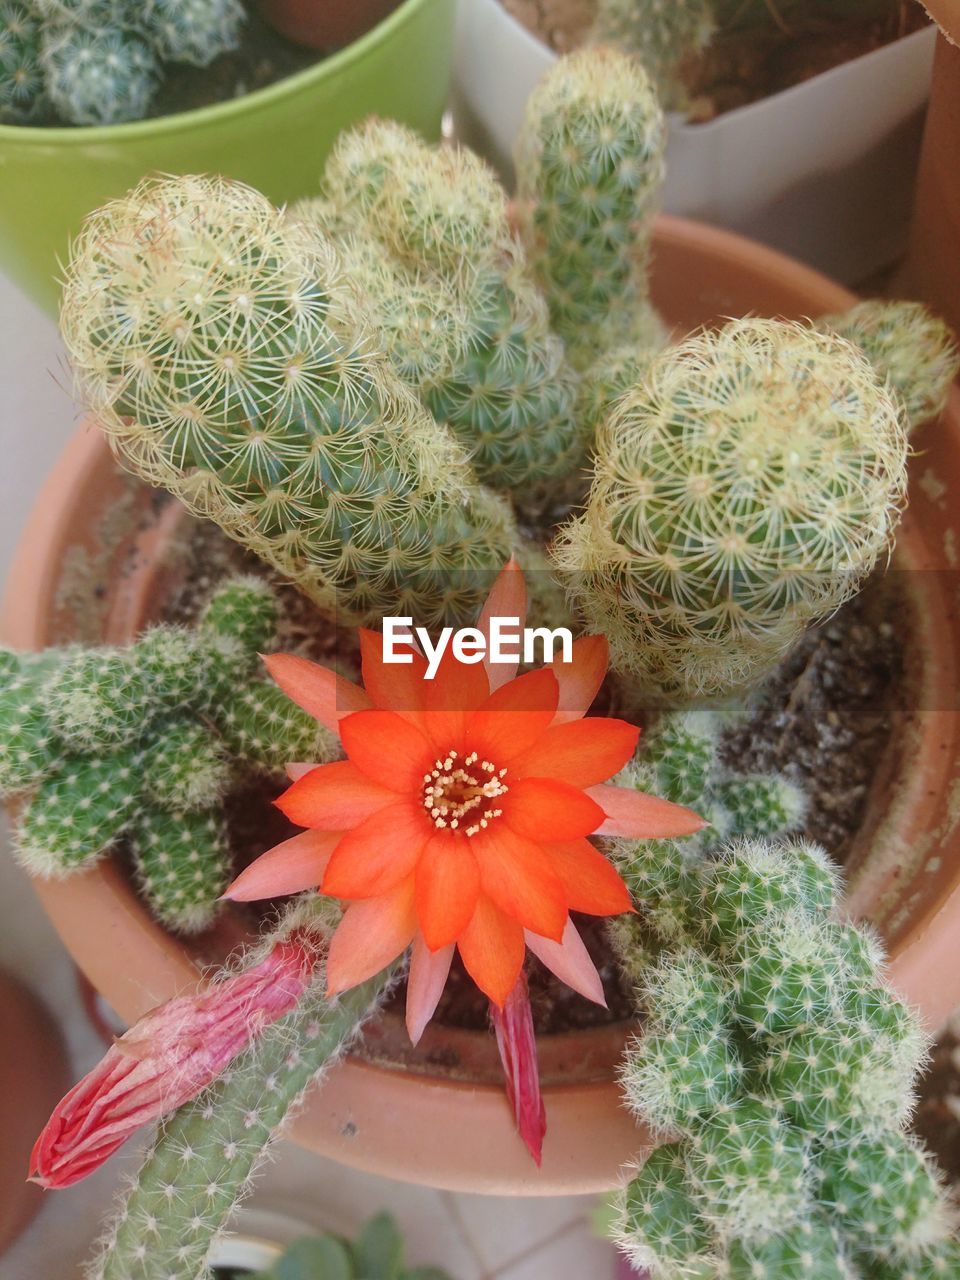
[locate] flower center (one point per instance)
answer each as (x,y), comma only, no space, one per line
(462,797)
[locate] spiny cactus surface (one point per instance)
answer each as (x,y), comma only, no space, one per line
(745,489)
(270,412)
(662,33)
(589,163)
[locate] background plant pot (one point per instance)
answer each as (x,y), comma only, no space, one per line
(96,558)
(931,269)
(823,170)
(274,138)
(324,24)
(33,1077)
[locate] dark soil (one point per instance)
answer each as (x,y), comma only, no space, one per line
(826,716)
(824,720)
(764,46)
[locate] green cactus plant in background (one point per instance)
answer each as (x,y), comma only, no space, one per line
(142,743)
(743,490)
(375,1254)
(99,62)
(661,33)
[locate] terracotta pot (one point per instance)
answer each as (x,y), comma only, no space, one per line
(325,24)
(33,1077)
(437,1114)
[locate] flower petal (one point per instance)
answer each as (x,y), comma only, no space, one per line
(289,867)
(590,881)
(570,961)
(369,936)
(392,687)
(544,809)
(455,692)
(516,875)
(582,752)
(517,1044)
(581,678)
(507,599)
(514,717)
(375,856)
(333,797)
(448,882)
(387,748)
(634,813)
(492,950)
(425,982)
(328,697)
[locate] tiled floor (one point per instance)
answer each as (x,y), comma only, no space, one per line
(474,1237)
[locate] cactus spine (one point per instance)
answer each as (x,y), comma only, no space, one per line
(270,412)
(142,744)
(589,165)
(21,76)
(743,491)
(206,1154)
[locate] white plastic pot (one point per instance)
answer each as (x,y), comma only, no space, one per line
(823,171)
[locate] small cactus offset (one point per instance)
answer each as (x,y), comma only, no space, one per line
(912,350)
(142,744)
(589,169)
(662,33)
(431,251)
(744,490)
(100,62)
(342,482)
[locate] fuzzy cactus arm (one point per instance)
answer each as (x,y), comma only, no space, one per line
(273,413)
(261,726)
(589,163)
(914,351)
(434,256)
(207,1153)
(182,862)
(663,34)
(745,489)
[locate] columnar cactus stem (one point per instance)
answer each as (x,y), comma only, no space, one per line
(207,1152)
(589,168)
(245,380)
(662,33)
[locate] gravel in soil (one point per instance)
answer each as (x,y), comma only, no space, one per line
(824,720)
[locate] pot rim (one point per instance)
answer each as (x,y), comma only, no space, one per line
(330,67)
(366,1113)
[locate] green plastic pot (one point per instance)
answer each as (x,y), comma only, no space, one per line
(275,138)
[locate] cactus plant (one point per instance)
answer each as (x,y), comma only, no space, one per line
(343,482)
(431,250)
(910,348)
(589,168)
(207,1152)
(142,743)
(21,76)
(661,33)
(100,61)
(376,1254)
(743,491)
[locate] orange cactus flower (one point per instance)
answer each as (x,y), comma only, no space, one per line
(460,816)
